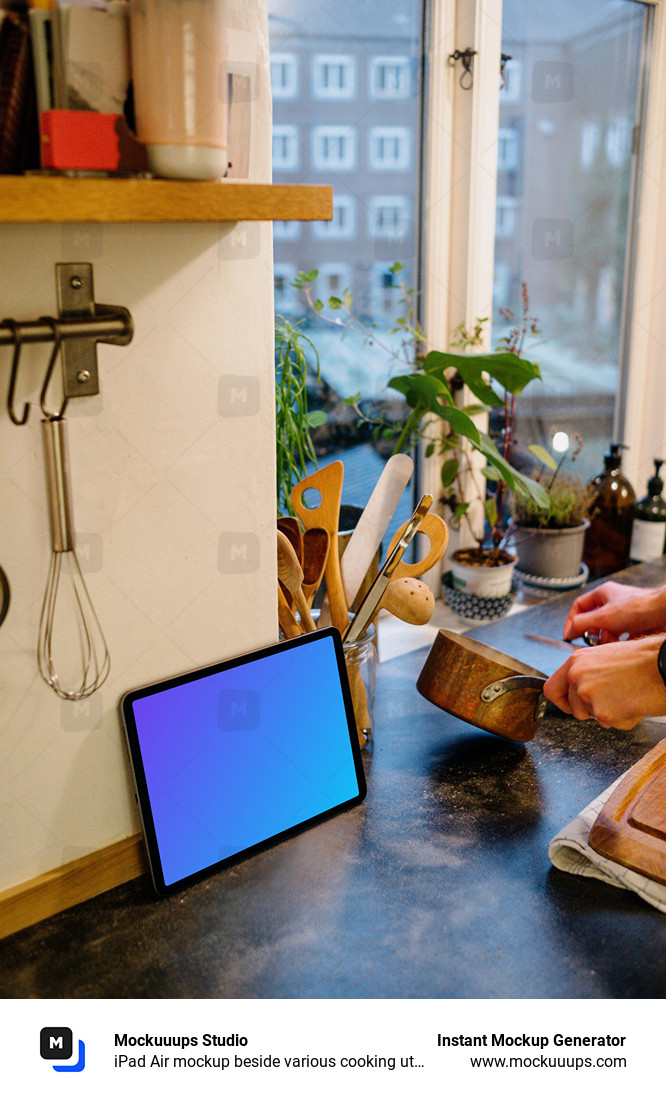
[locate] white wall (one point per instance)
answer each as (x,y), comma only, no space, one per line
(160,478)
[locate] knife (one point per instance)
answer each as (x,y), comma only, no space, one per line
(369,605)
(588,638)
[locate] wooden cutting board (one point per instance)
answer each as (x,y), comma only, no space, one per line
(631,827)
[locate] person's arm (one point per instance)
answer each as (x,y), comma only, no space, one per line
(612,610)
(618,684)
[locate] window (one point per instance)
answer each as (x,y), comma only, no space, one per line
(565,226)
(505,223)
(333,76)
(385,292)
(343,223)
(286,230)
(388,217)
(510,93)
(334,148)
(285,148)
(333,279)
(507,150)
(286,295)
(284,75)
(618,141)
(590,142)
(389,148)
(390,77)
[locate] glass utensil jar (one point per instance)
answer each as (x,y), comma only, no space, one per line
(361,662)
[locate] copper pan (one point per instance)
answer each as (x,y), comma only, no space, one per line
(483,686)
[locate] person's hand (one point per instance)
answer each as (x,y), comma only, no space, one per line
(618,685)
(612,610)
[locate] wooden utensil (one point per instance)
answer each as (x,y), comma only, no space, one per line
(328,482)
(288,623)
(410,600)
(315,552)
(438,535)
(290,574)
(370,529)
(481,685)
(631,827)
(368,608)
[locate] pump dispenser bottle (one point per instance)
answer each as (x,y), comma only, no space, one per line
(608,537)
(649,530)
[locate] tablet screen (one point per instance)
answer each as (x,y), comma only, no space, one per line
(231,758)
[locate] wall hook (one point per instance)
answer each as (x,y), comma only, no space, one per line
(18,344)
(57,342)
(466,77)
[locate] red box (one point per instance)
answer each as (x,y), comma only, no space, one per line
(90,141)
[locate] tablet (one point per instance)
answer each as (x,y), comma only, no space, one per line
(234,757)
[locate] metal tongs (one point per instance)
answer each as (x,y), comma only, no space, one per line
(368,607)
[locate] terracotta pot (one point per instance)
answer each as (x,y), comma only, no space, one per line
(550,553)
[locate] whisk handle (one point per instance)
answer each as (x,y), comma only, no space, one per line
(56,460)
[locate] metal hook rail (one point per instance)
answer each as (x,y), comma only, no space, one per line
(81,324)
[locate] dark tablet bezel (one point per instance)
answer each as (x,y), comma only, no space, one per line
(138,772)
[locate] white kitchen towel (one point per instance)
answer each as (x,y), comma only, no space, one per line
(570,851)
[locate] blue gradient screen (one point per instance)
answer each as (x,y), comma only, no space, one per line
(237,756)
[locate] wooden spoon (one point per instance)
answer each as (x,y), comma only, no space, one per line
(290,574)
(438,535)
(328,482)
(315,552)
(290,526)
(410,600)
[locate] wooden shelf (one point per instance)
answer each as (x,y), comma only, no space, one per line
(56,198)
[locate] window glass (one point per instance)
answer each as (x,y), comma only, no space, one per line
(358,118)
(284,75)
(567,116)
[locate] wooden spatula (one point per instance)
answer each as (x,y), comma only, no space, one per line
(315,552)
(328,482)
(438,535)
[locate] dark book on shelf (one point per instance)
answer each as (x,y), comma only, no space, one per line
(19,136)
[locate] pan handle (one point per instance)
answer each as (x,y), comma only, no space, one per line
(516,683)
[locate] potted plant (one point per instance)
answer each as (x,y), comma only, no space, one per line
(549,543)
(431,383)
(294,422)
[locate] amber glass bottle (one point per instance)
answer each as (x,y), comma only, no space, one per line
(608,538)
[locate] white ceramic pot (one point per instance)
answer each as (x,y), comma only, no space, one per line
(493,580)
(180,81)
(550,553)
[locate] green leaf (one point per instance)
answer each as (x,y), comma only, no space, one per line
(335,303)
(315,419)
(396,268)
(353,400)
(460,510)
(490,511)
(544,456)
(514,479)
(449,471)
(304,277)
(425,393)
(318,305)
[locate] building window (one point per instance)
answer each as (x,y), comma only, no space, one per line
(285,147)
(333,279)
(389,148)
(284,75)
(505,223)
(334,148)
(390,78)
(343,223)
(507,150)
(286,295)
(388,217)
(286,230)
(333,76)
(618,141)
(385,292)
(510,92)
(590,140)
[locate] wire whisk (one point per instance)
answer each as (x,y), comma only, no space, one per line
(92,664)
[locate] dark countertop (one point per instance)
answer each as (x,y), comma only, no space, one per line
(439,885)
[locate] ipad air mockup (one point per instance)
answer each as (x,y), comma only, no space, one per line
(232,758)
